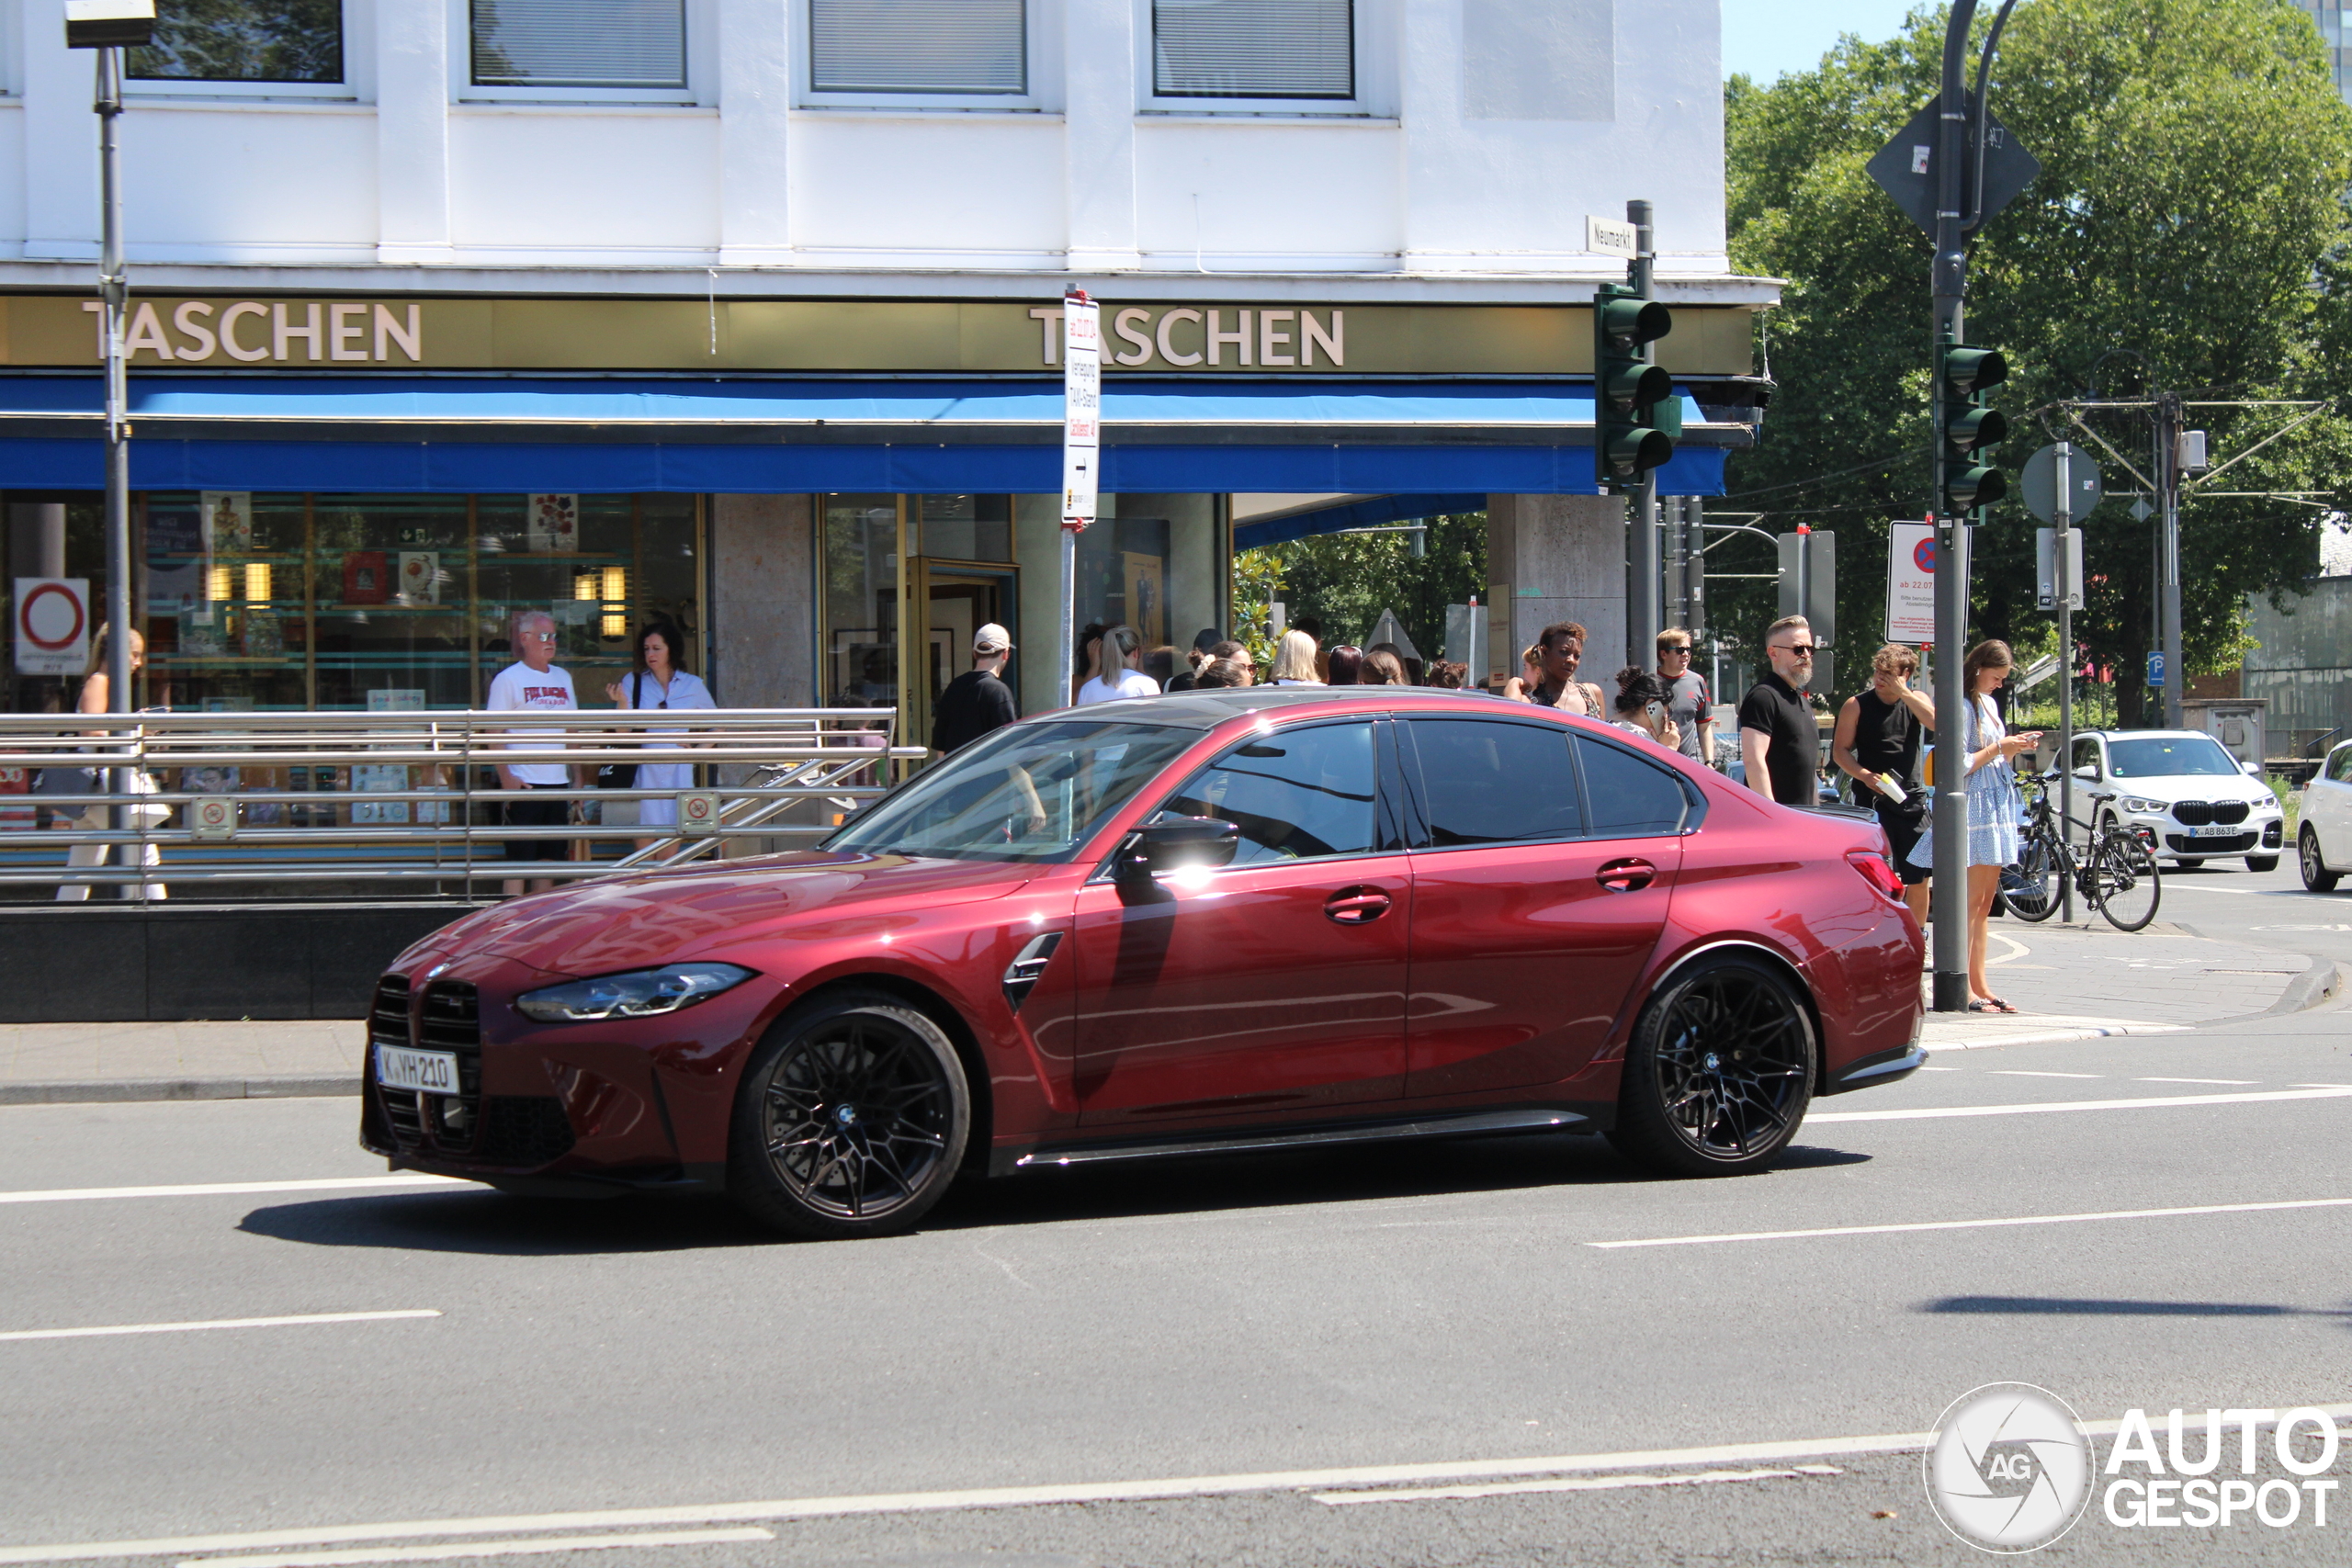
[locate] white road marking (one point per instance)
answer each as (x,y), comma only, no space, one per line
(2233,1081)
(415,1180)
(481,1549)
(1929,1112)
(1573,1483)
(1019,1496)
(2024,1073)
(217,1323)
(1979,1225)
(1939,1069)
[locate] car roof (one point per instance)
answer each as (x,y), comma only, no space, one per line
(1206,710)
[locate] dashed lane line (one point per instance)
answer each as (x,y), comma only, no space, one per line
(306,1318)
(1571,1483)
(2033,1107)
(536,1546)
(1976,1224)
(412,1181)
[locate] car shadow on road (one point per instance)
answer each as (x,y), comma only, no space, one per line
(482,1221)
(2094,1306)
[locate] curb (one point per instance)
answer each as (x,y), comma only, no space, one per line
(282,1086)
(2058,1036)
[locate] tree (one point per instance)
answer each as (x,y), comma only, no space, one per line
(1346,580)
(2191,210)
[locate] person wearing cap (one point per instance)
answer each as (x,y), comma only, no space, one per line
(977,701)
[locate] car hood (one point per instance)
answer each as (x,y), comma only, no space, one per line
(2170,787)
(631,922)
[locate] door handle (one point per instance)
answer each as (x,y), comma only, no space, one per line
(1356,906)
(1626,875)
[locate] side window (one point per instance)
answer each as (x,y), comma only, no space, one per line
(1630,799)
(2339,767)
(1297,793)
(2087,755)
(244,40)
(1489,783)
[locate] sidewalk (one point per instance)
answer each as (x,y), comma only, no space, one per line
(2072,982)
(2086,981)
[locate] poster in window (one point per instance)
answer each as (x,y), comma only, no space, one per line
(228,520)
(1147,602)
(175,530)
(552,525)
(420,577)
(366,577)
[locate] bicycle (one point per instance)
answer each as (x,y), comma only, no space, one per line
(2116,875)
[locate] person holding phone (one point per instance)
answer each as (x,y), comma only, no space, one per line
(1994,807)
(1643,707)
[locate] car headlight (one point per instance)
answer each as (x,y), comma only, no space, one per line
(2133,803)
(636,993)
(2267,803)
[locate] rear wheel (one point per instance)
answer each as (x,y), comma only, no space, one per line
(2124,881)
(2316,876)
(1718,1073)
(851,1120)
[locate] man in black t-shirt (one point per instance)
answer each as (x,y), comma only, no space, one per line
(977,701)
(1778,741)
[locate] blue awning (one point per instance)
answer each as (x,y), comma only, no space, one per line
(422,435)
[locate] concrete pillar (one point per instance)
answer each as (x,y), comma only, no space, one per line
(61,139)
(412,134)
(1560,558)
(37,538)
(1099,138)
(755,107)
(762,610)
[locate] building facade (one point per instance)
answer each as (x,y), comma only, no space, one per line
(743,314)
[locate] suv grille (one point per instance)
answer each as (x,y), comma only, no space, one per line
(2193,813)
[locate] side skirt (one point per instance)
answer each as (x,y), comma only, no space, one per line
(1441,1124)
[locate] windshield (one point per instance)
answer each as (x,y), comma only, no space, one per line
(2153,758)
(1030,792)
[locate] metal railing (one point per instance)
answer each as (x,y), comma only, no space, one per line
(154,799)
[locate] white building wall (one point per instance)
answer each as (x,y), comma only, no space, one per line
(1484,133)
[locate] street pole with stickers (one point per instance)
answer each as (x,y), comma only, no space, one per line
(1081,457)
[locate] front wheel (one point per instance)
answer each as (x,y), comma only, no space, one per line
(2124,881)
(2031,888)
(851,1120)
(1718,1072)
(2317,878)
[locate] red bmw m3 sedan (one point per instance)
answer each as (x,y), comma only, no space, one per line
(1216,921)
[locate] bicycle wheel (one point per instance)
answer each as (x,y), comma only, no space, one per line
(2031,886)
(2123,880)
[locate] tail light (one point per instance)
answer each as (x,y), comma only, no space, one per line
(1874,870)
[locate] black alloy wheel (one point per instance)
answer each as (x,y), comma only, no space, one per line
(1718,1072)
(2031,887)
(2317,878)
(851,1120)
(2125,882)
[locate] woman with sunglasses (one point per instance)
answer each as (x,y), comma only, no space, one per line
(657,681)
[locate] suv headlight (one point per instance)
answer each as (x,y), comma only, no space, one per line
(2267,803)
(636,993)
(2133,803)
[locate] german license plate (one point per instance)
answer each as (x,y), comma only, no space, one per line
(427,1072)
(2215,833)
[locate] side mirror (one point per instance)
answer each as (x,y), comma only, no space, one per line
(1176,843)
(2254,770)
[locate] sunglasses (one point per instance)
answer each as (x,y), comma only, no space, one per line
(1801,649)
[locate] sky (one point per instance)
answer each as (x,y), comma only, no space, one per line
(1767,38)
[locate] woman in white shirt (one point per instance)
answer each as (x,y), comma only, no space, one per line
(658,682)
(1121,650)
(1294,661)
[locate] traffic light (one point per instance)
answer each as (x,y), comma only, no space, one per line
(1636,416)
(1966,377)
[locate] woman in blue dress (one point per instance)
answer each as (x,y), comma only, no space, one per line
(1994,807)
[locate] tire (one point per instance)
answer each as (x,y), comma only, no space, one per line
(2262,863)
(2033,896)
(1718,1072)
(851,1120)
(2125,881)
(2317,878)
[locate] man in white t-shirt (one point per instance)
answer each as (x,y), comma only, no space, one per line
(536,683)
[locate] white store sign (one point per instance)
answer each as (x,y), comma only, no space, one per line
(1910,582)
(52,626)
(1082,410)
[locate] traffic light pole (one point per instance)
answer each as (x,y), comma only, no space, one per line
(1948,897)
(114,291)
(2169,592)
(2064,543)
(1643,574)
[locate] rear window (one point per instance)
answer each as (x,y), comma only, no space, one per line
(1488,782)
(1632,797)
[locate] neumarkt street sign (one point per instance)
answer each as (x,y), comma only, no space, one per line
(1905,167)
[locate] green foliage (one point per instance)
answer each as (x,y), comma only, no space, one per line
(1257,582)
(1346,580)
(244,40)
(2191,210)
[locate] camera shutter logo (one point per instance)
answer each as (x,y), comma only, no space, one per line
(2009,1470)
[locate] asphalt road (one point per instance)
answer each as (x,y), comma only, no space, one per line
(2268,909)
(1450,1305)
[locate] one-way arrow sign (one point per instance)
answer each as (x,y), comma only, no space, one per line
(1905,167)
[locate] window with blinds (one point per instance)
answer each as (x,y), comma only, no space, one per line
(1253,49)
(580,43)
(918,46)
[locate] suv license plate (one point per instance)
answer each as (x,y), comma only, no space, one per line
(427,1072)
(2218,833)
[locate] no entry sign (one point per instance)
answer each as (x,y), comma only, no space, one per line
(52,624)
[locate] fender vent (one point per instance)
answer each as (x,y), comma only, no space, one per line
(1021,977)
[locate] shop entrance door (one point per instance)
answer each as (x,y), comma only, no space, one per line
(960,597)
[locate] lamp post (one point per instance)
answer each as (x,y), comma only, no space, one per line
(110,27)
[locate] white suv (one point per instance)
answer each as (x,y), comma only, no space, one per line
(2325,837)
(2191,799)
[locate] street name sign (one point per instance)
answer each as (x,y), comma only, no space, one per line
(1611,237)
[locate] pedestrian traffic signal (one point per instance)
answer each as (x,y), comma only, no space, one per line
(1636,417)
(1965,378)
